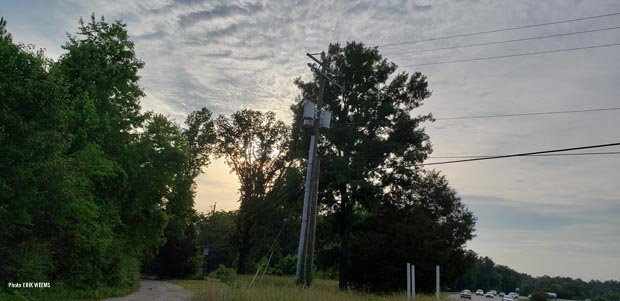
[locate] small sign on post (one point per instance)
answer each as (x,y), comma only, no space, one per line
(205,251)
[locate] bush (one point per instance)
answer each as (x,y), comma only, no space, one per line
(539,296)
(224,274)
(286,266)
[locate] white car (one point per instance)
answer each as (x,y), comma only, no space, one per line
(479,293)
(466,294)
(509,298)
(489,295)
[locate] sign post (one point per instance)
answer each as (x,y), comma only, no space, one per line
(408,281)
(205,253)
(437,281)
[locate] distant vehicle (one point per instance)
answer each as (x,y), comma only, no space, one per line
(509,298)
(479,293)
(501,294)
(514,295)
(552,295)
(466,294)
(494,292)
(489,295)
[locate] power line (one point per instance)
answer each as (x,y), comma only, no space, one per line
(484,156)
(524,154)
(540,155)
(499,30)
(513,115)
(503,41)
(511,55)
(481,158)
(529,114)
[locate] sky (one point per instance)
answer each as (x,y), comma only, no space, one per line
(557,216)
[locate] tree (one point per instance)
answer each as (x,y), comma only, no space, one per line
(372,127)
(39,187)
(216,231)
(254,145)
(177,257)
(424,223)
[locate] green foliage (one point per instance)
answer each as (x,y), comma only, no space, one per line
(539,296)
(424,224)
(216,231)
(254,144)
(374,125)
(224,274)
(286,265)
(88,183)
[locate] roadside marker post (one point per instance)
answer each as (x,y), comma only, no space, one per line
(413,281)
(408,281)
(437,281)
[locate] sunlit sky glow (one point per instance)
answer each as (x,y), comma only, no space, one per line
(558,216)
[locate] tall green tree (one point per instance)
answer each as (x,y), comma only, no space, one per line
(254,144)
(177,257)
(373,126)
(39,190)
(419,220)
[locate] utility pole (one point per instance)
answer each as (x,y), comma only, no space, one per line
(315,180)
(305,253)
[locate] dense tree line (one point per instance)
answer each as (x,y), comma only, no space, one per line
(485,274)
(94,190)
(91,186)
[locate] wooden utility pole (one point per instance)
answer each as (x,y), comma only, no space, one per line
(310,209)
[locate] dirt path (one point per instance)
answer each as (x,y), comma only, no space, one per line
(152,290)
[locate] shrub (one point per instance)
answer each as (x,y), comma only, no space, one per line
(539,296)
(224,274)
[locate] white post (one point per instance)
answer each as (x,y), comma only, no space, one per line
(437,281)
(413,281)
(408,281)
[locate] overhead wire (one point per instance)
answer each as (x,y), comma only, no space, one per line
(499,30)
(503,41)
(511,55)
(508,115)
(525,154)
(488,157)
(539,155)
(529,114)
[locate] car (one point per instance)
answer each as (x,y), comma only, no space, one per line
(494,292)
(552,295)
(489,295)
(479,293)
(466,294)
(501,294)
(515,296)
(509,298)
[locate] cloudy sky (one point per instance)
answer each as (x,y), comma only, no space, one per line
(538,215)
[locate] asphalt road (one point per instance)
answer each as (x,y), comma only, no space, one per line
(152,290)
(474,297)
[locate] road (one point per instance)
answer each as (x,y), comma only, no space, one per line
(483,298)
(152,290)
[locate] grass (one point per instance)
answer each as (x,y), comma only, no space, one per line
(60,293)
(274,288)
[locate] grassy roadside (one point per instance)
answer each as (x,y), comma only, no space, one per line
(59,293)
(274,288)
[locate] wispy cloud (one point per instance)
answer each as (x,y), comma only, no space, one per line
(228,55)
